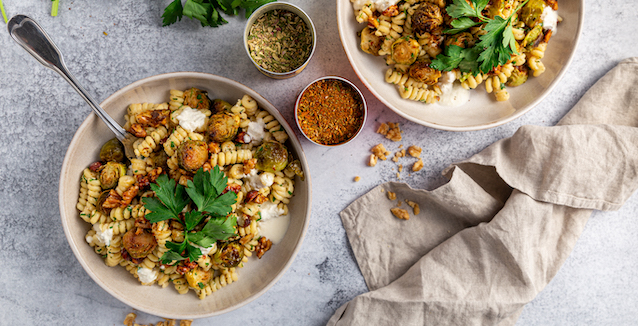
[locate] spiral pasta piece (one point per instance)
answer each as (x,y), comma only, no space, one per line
(114,252)
(176,138)
(148,145)
(273,126)
(230,157)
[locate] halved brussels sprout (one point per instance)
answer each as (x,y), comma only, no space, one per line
(139,242)
(220,105)
(531,12)
(113,151)
(223,126)
(421,71)
(427,18)
(463,39)
(229,255)
(196,99)
(198,278)
(405,50)
(110,174)
(271,156)
(518,77)
(370,43)
(192,154)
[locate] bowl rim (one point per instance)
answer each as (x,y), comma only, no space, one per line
(67,163)
(351,84)
(294,9)
(516,115)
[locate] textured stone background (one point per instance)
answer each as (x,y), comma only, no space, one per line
(41,283)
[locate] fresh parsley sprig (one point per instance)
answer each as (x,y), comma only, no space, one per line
(206,192)
(207,11)
(495,47)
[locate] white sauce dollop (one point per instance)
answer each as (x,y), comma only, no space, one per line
(275,228)
(453,94)
(550,19)
(191,119)
(256,130)
(146,275)
(258,181)
(205,250)
(103,236)
(269,210)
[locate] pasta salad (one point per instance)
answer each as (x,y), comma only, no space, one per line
(430,44)
(188,208)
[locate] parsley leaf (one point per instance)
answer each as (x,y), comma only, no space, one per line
(172,200)
(220,228)
(172,13)
(205,190)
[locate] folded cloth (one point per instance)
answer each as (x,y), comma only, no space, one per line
(487,242)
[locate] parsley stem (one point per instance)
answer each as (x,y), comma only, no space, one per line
(4,14)
(54,7)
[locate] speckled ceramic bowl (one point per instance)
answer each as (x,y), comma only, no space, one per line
(254,279)
(482,111)
(281,6)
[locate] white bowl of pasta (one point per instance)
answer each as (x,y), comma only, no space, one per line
(420,99)
(206,251)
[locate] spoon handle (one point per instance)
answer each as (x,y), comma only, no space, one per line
(26,32)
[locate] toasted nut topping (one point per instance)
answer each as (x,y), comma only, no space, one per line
(414,151)
(373,160)
(418,165)
(392,195)
(400,213)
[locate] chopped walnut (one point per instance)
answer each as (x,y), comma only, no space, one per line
(414,151)
(392,11)
(254,196)
(357,179)
(380,151)
(263,245)
(400,167)
(417,166)
(373,160)
(383,129)
(394,134)
(112,200)
(398,175)
(249,165)
(153,118)
(138,130)
(130,319)
(185,322)
(392,195)
(214,148)
(414,206)
(129,195)
(400,213)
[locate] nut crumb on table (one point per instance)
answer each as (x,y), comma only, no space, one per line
(380,151)
(415,206)
(392,195)
(400,213)
(129,320)
(373,160)
(414,151)
(417,166)
(357,179)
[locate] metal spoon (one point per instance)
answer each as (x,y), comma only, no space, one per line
(26,32)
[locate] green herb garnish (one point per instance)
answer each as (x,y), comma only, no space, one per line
(4,14)
(495,47)
(54,7)
(205,191)
(207,11)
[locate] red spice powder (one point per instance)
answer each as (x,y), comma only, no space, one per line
(330,112)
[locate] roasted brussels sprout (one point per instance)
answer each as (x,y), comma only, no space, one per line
(421,71)
(405,50)
(229,255)
(113,151)
(532,35)
(463,39)
(220,105)
(198,278)
(196,99)
(222,127)
(192,154)
(370,43)
(531,12)
(295,166)
(100,201)
(518,77)
(271,156)
(427,18)
(139,242)
(159,159)
(110,174)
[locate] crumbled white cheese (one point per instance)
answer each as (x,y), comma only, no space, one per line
(267,179)
(89,239)
(206,250)
(191,119)
(256,130)
(105,236)
(550,19)
(146,275)
(270,210)
(380,5)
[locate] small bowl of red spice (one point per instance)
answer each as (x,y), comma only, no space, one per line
(330,111)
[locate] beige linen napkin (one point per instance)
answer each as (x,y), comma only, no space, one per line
(487,242)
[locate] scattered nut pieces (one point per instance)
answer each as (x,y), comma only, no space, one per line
(380,151)
(398,175)
(414,151)
(417,166)
(414,206)
(400,167)
(400,213)
(394,134)
(357,179)
(373,160)
(392,195)
(129,320)
(383,129)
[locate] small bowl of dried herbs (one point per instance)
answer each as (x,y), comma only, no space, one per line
(280,39)
(331,111)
